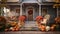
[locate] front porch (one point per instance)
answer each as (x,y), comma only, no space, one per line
(30,10)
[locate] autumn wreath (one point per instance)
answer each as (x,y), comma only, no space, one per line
(30,12)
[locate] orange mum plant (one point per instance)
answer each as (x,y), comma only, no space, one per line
(22,20)
(38,21)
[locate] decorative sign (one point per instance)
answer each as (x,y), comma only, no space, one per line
(56,5)
(57,1)
(4,1)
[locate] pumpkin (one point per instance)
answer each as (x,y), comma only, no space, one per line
(12,28)
(6,29)
(47,28)
(57,19)
(42,27)
(52,27)
(13,23)
(17,29)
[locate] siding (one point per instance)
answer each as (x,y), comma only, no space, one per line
(53,14)
(52,11)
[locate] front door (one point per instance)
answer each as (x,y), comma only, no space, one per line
(30,15)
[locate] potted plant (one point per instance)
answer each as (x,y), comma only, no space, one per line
(2,23)
(22,20)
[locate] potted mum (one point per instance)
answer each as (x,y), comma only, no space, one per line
(22,20)
(38,21)
(2,23)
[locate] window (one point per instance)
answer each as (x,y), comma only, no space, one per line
(44,11)
(59,11)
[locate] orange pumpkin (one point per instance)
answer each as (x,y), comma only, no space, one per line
(6,29)
(42,27)
(13,29)
(13,23)
(17,29)
(52,27)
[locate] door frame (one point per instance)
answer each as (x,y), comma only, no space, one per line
(27,9)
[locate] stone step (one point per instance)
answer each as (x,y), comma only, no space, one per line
(30,24)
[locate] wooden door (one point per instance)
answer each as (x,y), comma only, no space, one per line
(30,15)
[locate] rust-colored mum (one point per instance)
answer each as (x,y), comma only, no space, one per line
(22,18)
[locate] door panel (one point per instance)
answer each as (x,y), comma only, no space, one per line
(30,15)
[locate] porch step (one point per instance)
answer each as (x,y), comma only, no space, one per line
(30,25)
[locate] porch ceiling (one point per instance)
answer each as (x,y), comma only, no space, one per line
(30,2)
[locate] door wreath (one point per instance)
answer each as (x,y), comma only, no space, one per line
(30,12)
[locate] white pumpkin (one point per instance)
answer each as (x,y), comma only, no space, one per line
(47,28)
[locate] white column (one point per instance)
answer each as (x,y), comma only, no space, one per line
(20,9)
(39,10)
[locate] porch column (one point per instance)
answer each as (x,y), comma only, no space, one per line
(40,10)
(20,9)
(57,12)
